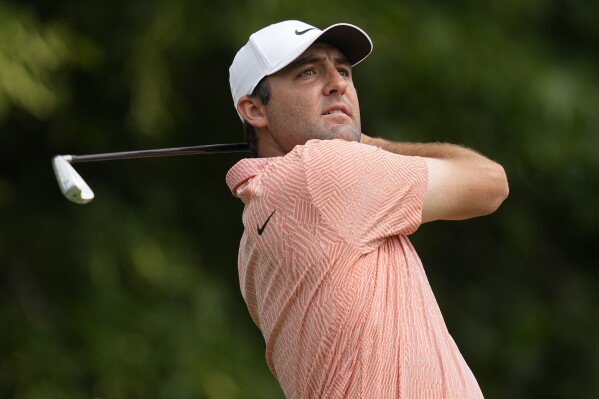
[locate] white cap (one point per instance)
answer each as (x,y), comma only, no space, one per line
(276,46)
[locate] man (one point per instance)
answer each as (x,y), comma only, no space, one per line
(325,266)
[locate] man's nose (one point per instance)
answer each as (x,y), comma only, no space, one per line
(336,83)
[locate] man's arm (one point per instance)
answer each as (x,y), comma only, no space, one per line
(461,183)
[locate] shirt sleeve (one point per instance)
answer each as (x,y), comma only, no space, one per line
(367,194)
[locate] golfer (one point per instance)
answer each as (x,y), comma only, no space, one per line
(325,264)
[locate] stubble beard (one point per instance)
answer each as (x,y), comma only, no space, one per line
(294,128)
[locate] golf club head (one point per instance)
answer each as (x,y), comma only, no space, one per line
(71,184)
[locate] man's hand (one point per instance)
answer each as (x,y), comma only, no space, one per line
(461,183)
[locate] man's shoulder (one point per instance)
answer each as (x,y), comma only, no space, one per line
(314,153)
(245,170)
(263,169)
(332,143)
(336,149)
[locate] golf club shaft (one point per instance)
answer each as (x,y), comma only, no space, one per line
(164,152)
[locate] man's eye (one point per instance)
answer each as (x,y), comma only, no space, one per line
(344,72)
(308,72)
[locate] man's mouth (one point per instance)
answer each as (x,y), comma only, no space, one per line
(337,109)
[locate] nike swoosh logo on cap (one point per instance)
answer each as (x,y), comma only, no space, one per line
(297,32)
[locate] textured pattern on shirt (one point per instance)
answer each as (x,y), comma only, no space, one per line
(333,282)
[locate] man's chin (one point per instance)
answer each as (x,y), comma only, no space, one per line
(345,132)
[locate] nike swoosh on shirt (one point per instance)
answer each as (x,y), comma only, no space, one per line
(297,32)
(261,229)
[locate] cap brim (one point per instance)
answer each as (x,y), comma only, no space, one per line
(352,41)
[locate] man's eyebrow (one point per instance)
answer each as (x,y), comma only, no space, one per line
(313,59)
(309,59)
(342,61)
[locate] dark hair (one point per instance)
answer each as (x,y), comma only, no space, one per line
(262,91)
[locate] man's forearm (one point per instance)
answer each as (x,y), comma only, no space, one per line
(427,150)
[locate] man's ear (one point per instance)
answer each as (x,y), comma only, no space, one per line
(253,111)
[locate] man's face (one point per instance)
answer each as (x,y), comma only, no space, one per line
(313,98)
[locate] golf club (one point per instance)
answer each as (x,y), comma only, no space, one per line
(76,190)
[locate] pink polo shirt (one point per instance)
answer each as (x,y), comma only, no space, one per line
(332,281)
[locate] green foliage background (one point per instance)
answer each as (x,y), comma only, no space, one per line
(136,294)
